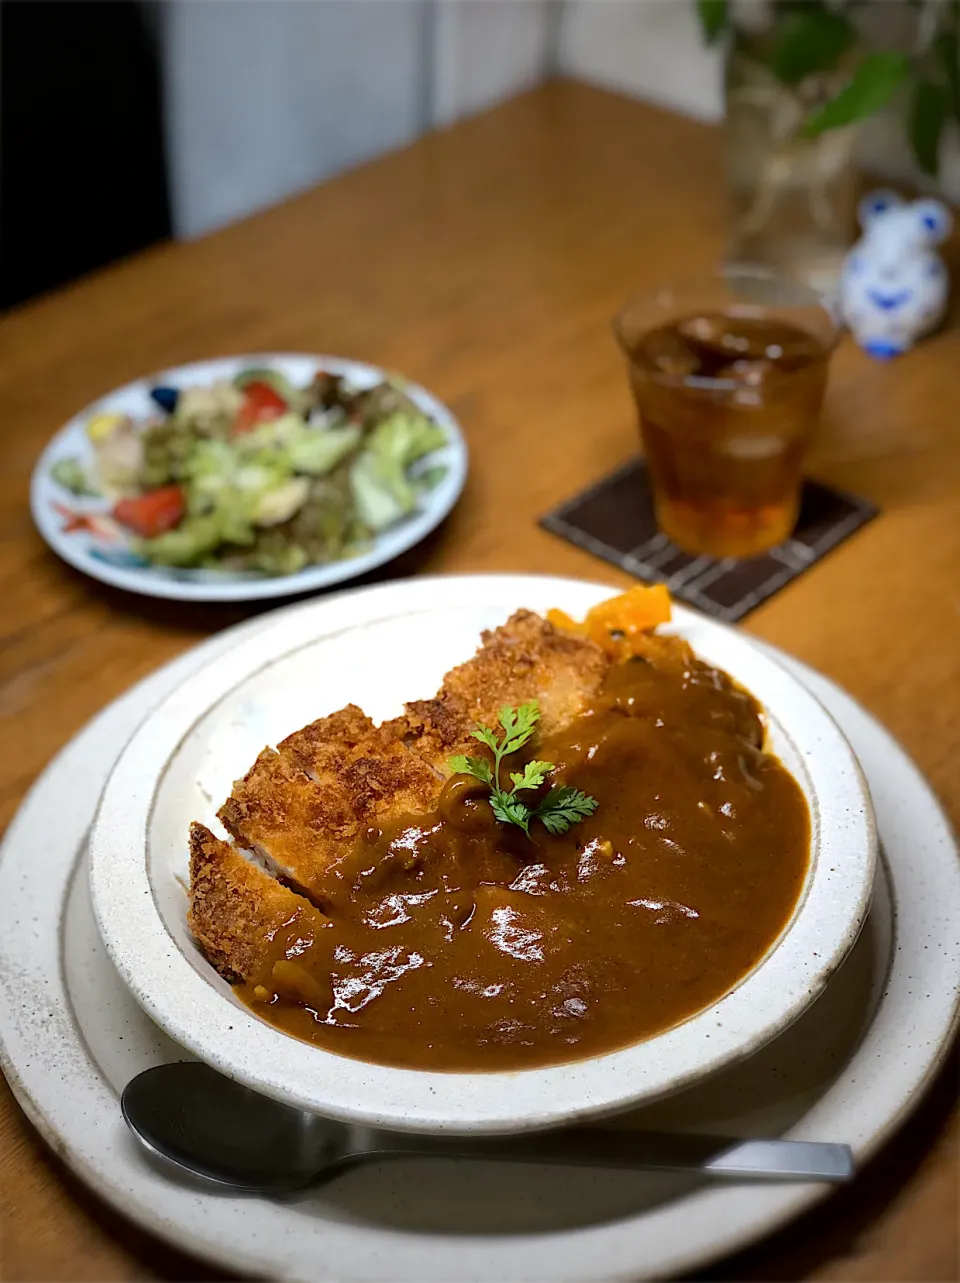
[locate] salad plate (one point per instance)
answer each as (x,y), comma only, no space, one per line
(248,477)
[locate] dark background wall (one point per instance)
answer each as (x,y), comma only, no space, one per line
(82,176)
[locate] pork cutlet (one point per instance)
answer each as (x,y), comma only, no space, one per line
(303,806)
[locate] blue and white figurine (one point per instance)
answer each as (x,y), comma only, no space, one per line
(894,285)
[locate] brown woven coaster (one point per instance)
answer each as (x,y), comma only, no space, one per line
(614,519)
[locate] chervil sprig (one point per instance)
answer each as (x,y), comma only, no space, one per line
(563,805)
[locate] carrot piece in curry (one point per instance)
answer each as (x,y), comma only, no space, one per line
(618,624)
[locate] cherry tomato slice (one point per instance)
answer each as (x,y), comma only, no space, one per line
(153,513)
(261,403)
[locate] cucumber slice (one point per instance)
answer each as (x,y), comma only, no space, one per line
(273,378)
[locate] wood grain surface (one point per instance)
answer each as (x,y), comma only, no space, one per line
(486,261)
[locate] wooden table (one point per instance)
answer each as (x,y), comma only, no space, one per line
(486,261)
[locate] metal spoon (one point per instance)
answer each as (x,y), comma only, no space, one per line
(192,1116)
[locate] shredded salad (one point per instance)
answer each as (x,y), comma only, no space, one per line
(258,475)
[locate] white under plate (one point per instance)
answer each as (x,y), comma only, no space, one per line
(849,1070)
(105,553)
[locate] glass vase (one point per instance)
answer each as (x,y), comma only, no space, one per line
(793,198)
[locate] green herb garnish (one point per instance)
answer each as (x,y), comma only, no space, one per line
(563,805)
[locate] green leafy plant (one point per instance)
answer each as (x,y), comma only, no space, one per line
(563,805)
(809,38)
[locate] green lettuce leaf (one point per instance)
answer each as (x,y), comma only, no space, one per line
(187,545)
(382,490)
(319,450)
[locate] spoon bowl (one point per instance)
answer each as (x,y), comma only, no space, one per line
(188,1114)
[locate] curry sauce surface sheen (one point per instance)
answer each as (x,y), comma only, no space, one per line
(457,943)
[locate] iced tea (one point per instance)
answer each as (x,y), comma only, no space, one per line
(727,400)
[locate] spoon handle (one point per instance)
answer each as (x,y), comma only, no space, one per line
(709,1156)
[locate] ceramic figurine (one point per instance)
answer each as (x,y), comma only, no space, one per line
(894,285)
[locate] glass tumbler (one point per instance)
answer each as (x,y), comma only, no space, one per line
(728,376)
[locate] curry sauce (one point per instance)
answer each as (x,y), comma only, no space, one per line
(451,941)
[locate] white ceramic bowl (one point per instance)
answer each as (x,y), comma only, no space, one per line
(378,647)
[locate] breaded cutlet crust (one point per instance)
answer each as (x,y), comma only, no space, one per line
(235,907)
(304,805)
(525,659)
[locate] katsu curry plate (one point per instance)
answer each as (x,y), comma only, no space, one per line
(482,854)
